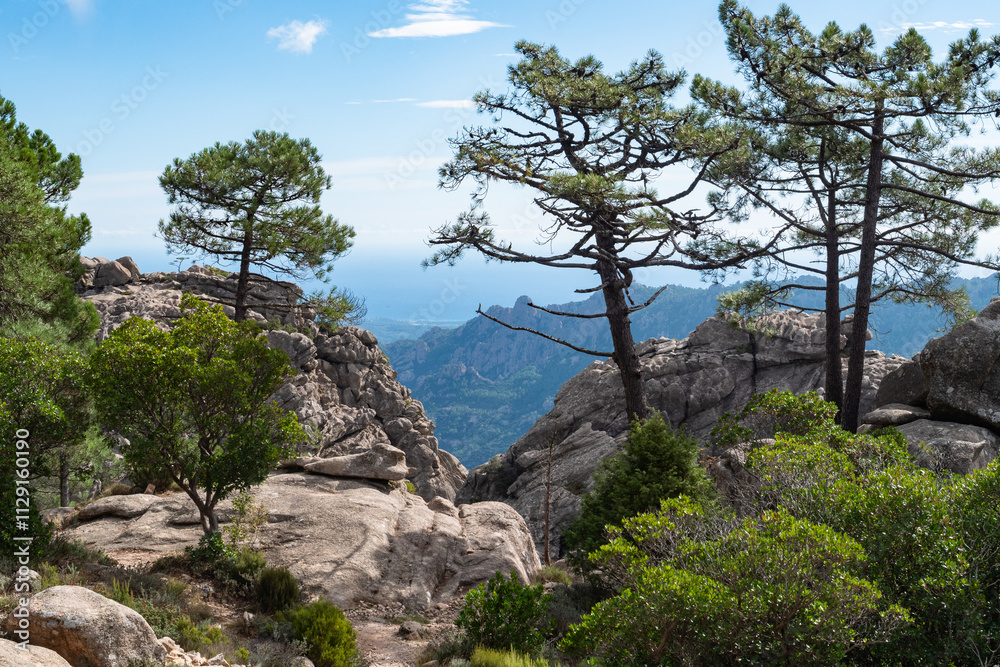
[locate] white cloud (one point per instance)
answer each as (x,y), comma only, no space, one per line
(947,26)
(437,18)
(448,104)
(297,37)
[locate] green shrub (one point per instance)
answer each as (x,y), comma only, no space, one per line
(765,415)
(328,633)
(211,549)
(776,590)
(484,657)
(551,574)
(504,614)
(276,589)
(249,563)
(656,462)
(194,637)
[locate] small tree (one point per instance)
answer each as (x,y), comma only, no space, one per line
(195,402)
(656,462)
(589,145)
(256,204)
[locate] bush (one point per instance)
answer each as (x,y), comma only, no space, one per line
(276,589)
(326,630)
(504,614)
(776,590)
(484,657)
(765,415)
(551,574)
(194,637)
(656,462)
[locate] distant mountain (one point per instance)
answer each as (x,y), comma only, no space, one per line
(485,385)
(387,329)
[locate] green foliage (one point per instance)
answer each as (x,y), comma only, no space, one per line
(276,589)
(764,415)
(40,240)
(256,203)
(551,574)
(248,520)
(656,462)
(773,590)
(211,549)
(195,402)
(504,614)
(195,636)
(328,633)
(484,657)
(44,418)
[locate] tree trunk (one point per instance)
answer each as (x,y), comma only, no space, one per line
(866,263)
(834,375)
(243,285)
(63,481)
(616,309)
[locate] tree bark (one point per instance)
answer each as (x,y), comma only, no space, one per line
(616,310)
(834,374)
(63,481)
(243,284)
(866,263)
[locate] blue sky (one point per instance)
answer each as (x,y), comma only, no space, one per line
(377,86)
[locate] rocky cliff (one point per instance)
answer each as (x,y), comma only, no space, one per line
(341,517)
(693,381)
(344,391)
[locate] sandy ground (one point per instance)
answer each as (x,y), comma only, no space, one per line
(379,638)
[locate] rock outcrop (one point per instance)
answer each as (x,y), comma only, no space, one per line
(89,630)
(946,400)
(34,656)
(345,539)
(692,381)
(344,391)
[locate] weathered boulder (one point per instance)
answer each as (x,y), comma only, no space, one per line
(112,273)
(906,385)
(127,506)
(89,630)
(963,371)
(693,381)
(348,539)
(380,462)
(895,414)
(35,656)
(344,391)
(959,448)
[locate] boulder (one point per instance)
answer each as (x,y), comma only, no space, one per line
(89,630)
(380,462)
(693,382)
(963,371)
(127,507)
(959,448)
(347,539)
(112,273)
(907,385)
(34,656)
(129,264)
(895,414)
